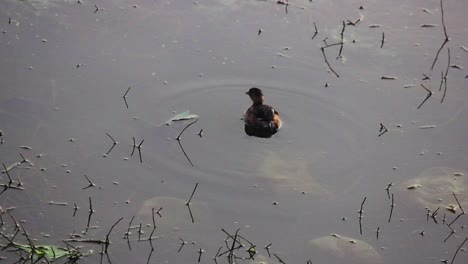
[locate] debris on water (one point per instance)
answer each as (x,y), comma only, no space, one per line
(71,140)
(275,203)
(388,78)
(451,208)
(179,117)
(25,147)
(429,25)
(115,183)
(259,32)
(426,10)
(456,66)
(464,48)
(68,171)
(57,203)
(375,25)
(458,174)
(408,85)
(427,127)
(412,187)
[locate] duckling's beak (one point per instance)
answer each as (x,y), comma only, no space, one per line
(247,93)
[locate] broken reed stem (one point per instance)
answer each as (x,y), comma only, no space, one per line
(329,66)
(360,215)
(445,76)
(434,214)
(456,218)
(108,234)
(382,129)
(125,98)
(316,31)
(461,245)
(185,153)
(445,33)
(383,40)
(91,211)
(391,209)
(429,94)
(279,259)
(459,205)
(451,233)
(191,196)
(342,43)
(181,132)
(443,20)
(377,232)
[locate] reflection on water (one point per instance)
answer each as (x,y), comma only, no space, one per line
(66,65)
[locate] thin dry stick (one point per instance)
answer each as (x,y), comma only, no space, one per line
(329,66)
(316,31)
(451,233)
(360,215)
(188,203)
(377,232)
(434,214)
(279,259)
(445,33)
(113,144)
(383,40)
(182,244)
(388,189)
(108,234)
(382,130)
(91,184)
(181,132)
(456,218)
(391,209)
(458,249)
(429,94)
(125,96)
(445,76)
(180,144)
(342,43)
(91,211)
(459,205)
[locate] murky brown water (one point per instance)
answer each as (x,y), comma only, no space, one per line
(64,69)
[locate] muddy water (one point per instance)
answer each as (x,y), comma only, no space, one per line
(65,67)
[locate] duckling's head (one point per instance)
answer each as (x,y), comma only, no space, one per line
(256,95)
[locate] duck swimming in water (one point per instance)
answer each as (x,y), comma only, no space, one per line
(261,120)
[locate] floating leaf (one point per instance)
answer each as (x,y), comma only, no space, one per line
(48,252)
(179,117)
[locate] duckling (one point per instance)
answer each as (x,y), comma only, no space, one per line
(260,120)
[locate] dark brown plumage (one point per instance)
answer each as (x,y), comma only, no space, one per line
(261,120)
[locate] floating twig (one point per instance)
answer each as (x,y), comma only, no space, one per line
(75,208)
(180,144)
(279,259)
(434,214)
(342,43)
(267,247)
(445,76)
(445,33)
(97,9)
(200,134)
(188,203)
(326,61)
(360,215)
(451,233)
(200,252)
(113,144)
(388,186)
(458,202)
(461,245)
(91,211)
(382,130)
(383,40)
(316,31)
(125,96)
(377,232)
(429,94)
(91,184)
(182,244)
(392,205)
